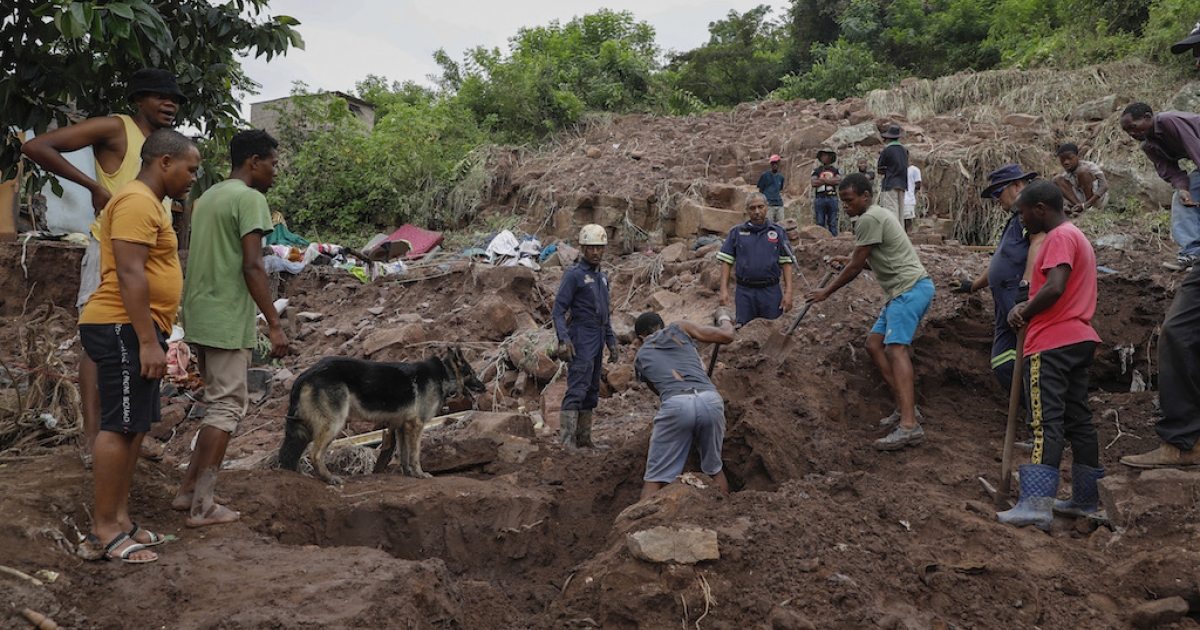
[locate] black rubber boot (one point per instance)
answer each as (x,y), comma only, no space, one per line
(1085,495)
(583,434)
(568,420)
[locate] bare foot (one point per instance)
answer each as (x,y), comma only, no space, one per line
(183,502)
(215,515)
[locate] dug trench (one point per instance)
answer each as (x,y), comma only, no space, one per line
(514,531)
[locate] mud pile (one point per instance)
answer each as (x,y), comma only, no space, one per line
(514,532)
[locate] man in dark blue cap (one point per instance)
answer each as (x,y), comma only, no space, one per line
(116,143)
(1191,42)
(1008,268)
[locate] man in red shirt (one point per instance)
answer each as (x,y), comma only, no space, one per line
(1060,344)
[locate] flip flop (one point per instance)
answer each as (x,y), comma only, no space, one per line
(124,555)
(155,539)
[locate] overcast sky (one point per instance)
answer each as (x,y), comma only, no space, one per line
(345,40)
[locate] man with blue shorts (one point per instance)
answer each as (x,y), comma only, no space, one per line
(690,409)
(760,256)
(881,244)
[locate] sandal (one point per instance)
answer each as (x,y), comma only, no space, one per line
(155,539)
(124,554)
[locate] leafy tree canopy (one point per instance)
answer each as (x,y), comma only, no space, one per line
(59,55)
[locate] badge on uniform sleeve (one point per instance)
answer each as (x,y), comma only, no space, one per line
(772,236)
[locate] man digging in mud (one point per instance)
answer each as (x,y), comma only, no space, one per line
(759,254)
(881,244)
(225,281)
(123,328)
(116,143)
(583,294)
(690,408)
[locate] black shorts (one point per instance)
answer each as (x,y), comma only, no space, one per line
(128,402)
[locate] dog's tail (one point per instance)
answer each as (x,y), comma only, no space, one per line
(295,440)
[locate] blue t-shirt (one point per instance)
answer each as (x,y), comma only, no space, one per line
(668,360)
(584,293)
(757,253)
(771,186)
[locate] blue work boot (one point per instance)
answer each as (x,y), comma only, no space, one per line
(1085,496)
(1039,484)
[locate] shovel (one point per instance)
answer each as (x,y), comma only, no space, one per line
(780,344)
(1014,412)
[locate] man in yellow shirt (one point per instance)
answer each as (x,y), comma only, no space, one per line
(116,142)
(123,329)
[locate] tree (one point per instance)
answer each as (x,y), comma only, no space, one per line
(60,55)
(742,60)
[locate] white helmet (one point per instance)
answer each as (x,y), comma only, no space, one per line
(593,234)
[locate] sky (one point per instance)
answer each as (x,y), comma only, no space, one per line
(346,40)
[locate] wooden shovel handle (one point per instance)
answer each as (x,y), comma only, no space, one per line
(1014,412)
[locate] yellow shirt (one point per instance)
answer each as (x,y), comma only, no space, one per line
(128,171)
(136,216)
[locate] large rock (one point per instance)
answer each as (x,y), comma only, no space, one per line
(674,253)
(499,426)
(1021,120)
(671,545)
(664,300)
(530,351)
(498,315)
(1100,108)
(1159,613)
(1187,99)
(863,134)
(1158,500)
(693,218)
(401,337)
(815,233)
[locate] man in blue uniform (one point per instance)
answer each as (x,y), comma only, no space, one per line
(1008,268)
(770,184)
(759,254)
(583,296)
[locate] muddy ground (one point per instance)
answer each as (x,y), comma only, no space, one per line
(513,531)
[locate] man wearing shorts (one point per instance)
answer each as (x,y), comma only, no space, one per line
(123,328)
(880,242)
(116,142)
(690,408)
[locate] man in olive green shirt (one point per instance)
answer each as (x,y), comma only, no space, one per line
(882,244)
(225,281)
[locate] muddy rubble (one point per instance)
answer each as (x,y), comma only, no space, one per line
(513,531)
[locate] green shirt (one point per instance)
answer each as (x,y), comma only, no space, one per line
(893,258)
(217,308)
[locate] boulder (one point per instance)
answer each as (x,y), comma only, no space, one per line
(1159,613)
(863,134)
(672,545)
(620,377)
(499,426)
(815,233)
(379,340)
(551,403)
(310,316)
(1156,500)
(664,300)
(1100,108)
(710,276)
(673,253)
(530,351)
(693,218)
(498,315)
(810,137)
(565,255)
(1187,99)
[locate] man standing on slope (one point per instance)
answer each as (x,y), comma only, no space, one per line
(583,298)
(116,143)
(225,280)
(770,184)
(893,174)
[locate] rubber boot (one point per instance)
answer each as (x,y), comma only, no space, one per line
(1085,496)
(568,420)
(1039,484)
(583,434)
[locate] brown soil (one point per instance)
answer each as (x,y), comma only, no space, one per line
(821,531)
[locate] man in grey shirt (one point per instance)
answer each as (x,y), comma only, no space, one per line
(690,408)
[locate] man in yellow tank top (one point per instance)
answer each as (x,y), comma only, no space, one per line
(116,142)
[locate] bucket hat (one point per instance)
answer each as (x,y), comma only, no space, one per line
(829,151)
(156,81)
(1004,176)
(893,132)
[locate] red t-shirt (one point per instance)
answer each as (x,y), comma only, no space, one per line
(1069,320)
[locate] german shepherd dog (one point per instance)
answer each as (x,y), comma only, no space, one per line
(401,397)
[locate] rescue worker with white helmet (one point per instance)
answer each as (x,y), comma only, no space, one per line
(582,324)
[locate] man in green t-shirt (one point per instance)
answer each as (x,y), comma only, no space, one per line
(225,280)
(882,245)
